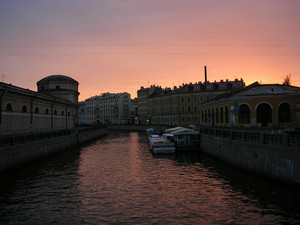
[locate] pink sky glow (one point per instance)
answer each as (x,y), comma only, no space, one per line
(121,45)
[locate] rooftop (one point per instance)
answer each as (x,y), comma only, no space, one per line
(57,78)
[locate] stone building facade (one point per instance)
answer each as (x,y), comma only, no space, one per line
(143,116)
(108,108)
(180,106)
(270,105)
(23,110)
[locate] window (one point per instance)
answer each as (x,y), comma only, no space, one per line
(24,109)
(221,115)
(217,115)
(36,110)
(55,112)
(8,108)
(244,114)
(62,112)
(208,116)
(264,114)
(226,114)
(47,111)
(57,87)
(284,113)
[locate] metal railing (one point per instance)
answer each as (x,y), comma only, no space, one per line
(287,140)
(22,138)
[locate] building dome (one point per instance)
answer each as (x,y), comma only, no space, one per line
(60,86)
(57,78)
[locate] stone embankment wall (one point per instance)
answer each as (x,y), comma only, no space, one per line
(276,156)
(17,150)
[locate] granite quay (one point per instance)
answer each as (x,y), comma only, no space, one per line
(19,149)
(272,155)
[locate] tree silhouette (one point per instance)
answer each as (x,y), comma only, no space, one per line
(287,79)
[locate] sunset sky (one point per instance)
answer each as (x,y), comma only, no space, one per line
(121,45)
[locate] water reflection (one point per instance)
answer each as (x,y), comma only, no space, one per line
(118,180)
(41,191)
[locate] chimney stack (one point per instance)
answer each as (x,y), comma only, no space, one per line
(205,73)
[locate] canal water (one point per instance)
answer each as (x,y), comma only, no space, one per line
(116,180)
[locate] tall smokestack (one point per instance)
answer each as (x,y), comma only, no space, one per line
(205,74)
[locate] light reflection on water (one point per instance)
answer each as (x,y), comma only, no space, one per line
(117,180)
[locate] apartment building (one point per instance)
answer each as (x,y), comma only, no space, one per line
(180,105)
(108,108)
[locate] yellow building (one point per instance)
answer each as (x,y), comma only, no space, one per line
(143,116)
(180,106)
(271,105)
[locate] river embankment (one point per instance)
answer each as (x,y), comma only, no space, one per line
(19,149)
(272,155)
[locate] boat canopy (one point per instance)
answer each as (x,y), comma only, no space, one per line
(170,130)
(182,131)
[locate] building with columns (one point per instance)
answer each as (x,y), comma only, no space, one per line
(269,105)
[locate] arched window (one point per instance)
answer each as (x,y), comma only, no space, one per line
(47,111)
(62,112)
(55,112)
(8,108)
(264,114)
(217,115)
(244,114)
(36,110)
(284,113)
(221,115)
(24,109)
(69,113)
(226,114)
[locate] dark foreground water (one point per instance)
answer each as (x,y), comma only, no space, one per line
(117,180)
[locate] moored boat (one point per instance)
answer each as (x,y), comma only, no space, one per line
(184,138)
(161,145)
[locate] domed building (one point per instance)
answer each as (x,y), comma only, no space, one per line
(53,107)
(60,86)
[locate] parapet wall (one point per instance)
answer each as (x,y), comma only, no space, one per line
(18,150)
(280,162)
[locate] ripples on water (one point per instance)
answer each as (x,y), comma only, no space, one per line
(116,180)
